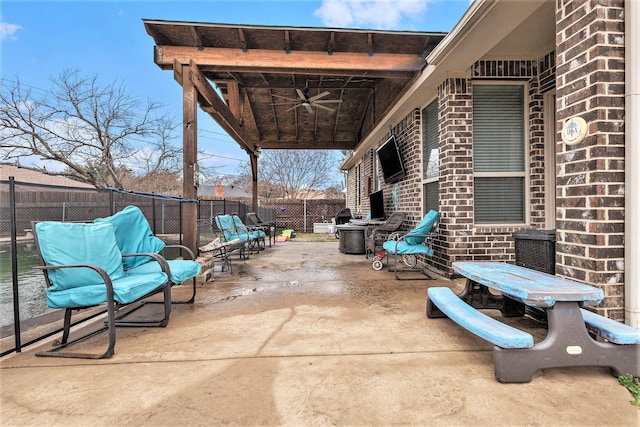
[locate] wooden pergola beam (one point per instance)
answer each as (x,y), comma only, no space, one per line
(306,145)
(272,61)
(215,106)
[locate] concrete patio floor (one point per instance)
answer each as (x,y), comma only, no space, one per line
(303,335)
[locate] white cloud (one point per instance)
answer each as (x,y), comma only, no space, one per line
(7,30)
(381,14)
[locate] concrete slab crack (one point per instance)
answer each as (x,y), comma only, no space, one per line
(292,314)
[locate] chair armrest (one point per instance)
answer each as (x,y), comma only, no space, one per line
(401,238)
(103,274)
(164,266)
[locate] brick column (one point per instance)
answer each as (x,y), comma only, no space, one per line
(590,176)
(456,171)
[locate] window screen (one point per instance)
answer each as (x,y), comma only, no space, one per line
(499,153)
(430,141)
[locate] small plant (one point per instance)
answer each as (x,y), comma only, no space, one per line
(633,385)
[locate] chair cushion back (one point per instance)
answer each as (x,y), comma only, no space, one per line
(238,224)
(226,225)
(422,229)
(64,243)
(134,235)
(252,218)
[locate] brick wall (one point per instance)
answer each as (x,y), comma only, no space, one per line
(456,171)
(590,197)
(457,236)
(462,239)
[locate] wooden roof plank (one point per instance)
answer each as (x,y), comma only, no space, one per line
(259,59)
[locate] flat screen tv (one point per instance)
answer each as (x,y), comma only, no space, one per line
(390,161)
(376,203)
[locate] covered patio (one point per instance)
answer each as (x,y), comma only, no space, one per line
(284,88)
(302,334)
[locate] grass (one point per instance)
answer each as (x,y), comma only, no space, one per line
(633,385)
(314,237)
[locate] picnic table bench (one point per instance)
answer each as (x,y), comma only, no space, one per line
(569,340)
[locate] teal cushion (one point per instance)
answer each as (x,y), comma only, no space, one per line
(226,224)
(126,289)
(244,231)
(64,243)
(134,235)
(181,269)
(423,228)
(256,235)
(405,249)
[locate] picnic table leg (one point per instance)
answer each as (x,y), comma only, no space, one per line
(567,343)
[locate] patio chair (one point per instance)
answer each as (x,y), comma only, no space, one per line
(134,234)
(408,247)
(380,233)
(269,227)
(256,235)
(83,268)
(227,227)
(222,250)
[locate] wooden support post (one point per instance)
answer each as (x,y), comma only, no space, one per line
(189,159)
(254,181)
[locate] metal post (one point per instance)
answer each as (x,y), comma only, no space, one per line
(304,215)
(14,263)
(180,213)
(153,213)
(164,219)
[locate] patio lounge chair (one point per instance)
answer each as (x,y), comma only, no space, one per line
(134,234)
(269,227)
(223,251)
(227,226)
(380,233)
(408,246)
(83,267)
(256,234)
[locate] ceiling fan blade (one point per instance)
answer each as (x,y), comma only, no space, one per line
(293,108)
(301,94)
(323,107)
(320,95)
(308,107)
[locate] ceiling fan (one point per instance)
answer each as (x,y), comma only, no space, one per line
(308,102)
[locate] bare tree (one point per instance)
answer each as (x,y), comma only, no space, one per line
(100,133)
(293,173)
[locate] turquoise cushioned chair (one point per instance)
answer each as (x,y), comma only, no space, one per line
(240,240)
(83,267)
(410,245)
(134,235)
(256,236)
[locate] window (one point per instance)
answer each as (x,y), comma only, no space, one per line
(430,156)
(374,173)
(499,153)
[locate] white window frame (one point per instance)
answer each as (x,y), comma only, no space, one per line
(526,154)
(423,160)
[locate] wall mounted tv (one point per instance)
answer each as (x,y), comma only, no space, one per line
(390,161)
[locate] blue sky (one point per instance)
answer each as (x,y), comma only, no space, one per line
(38,39)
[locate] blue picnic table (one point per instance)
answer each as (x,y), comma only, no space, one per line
(570,340)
